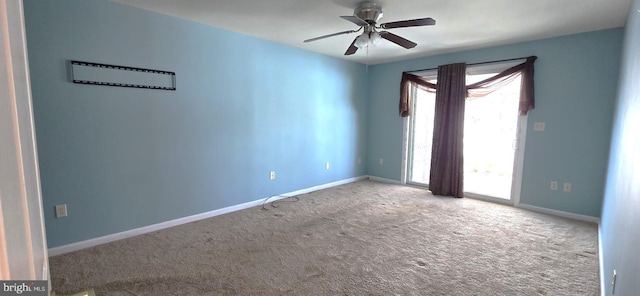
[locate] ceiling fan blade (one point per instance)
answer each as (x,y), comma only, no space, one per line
(356,20)
(409,23)
(330,35)
(397,40)
(352,48)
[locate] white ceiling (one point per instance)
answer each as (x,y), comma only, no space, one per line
(461,24)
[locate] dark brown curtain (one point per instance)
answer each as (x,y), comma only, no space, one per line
(446,176)
(446,154)
(489,85)
(479,89)
(408,81)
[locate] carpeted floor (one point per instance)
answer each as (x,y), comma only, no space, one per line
(363,238)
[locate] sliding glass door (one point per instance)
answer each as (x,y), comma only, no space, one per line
(491,140)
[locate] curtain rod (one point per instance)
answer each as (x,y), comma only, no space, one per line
(474,64)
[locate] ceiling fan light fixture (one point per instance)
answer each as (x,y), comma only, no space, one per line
(368,39)
(362,41)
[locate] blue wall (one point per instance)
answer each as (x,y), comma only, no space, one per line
(124,158)
(576,78)
(620,228)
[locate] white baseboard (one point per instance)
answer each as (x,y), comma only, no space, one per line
(155,227)
(384,180)
(559,213)
(323,186)
(601,260)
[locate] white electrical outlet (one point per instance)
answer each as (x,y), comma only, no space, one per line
(359,160)
(554,185)
(61,211)
(566,187)
(381,161)
(272,175)
(326,166)
(539,126)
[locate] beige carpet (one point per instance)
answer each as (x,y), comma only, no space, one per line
(364,238)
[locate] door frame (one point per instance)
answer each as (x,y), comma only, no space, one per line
(25,255)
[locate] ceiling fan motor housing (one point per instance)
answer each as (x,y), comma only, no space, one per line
(369,12)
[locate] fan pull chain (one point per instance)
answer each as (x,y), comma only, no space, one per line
(367,60)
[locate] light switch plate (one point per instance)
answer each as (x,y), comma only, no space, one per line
(539,126)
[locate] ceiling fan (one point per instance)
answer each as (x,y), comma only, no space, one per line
(366,15)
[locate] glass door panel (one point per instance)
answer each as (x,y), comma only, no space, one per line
(490,139)
(420,136)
